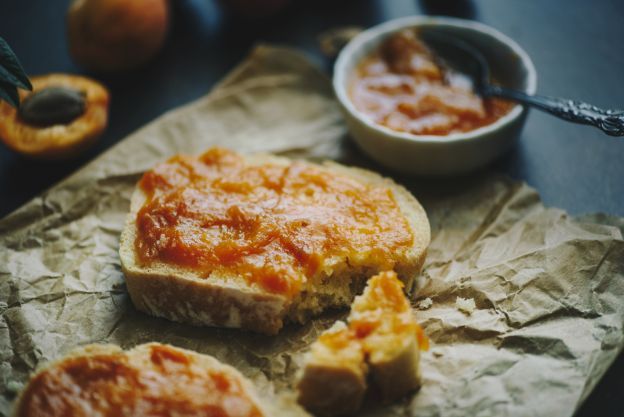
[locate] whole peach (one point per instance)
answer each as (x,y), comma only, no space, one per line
(116,35)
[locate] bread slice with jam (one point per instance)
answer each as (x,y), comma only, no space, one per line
(148,380)
(255,241)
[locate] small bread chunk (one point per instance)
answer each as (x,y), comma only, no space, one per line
(465,305)
(391,337)
(334,379)
(382,338)
(425,304)
(149,380)
(251,242)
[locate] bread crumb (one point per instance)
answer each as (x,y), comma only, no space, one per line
(425,304)
(437,353)
(465,305)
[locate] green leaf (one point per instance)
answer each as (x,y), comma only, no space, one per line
(7,77)
(11,70)
(8,93)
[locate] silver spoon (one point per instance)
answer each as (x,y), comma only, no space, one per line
(466,58)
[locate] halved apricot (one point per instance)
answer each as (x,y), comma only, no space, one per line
(63,115)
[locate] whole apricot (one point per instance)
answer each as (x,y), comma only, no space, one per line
(116,35)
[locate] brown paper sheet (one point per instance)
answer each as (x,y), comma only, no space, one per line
(548,288)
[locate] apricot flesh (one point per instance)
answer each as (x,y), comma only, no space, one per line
(116,35)
(62,139)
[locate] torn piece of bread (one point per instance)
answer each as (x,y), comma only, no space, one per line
(148,380)
(253,241)
(382,338)
(338,357)
(391,337)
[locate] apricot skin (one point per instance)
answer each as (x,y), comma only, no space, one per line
(116,35)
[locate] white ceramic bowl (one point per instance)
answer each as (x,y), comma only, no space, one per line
(438,155)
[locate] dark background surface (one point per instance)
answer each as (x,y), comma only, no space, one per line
(576,46)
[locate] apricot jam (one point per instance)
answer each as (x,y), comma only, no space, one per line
(404,87)
(167,383)
(383,309)
(274,224)
(339,340)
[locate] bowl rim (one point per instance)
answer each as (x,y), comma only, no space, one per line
(340,79)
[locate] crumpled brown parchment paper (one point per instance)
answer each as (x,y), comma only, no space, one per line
(548,287)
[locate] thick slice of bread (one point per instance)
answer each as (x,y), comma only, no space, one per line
(225,299)
(382,339)
(149,380)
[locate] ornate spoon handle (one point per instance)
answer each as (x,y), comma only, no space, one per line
(609,121)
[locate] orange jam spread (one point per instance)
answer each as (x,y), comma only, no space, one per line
(381,310)
(404,87)
(339,339)
(275,224)
(166,383)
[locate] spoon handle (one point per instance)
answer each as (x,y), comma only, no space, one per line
(609,121)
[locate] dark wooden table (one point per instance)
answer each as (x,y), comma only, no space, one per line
(576,46)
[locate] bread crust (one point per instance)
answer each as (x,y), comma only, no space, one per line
(141,354)
(182,295)
(343,396)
